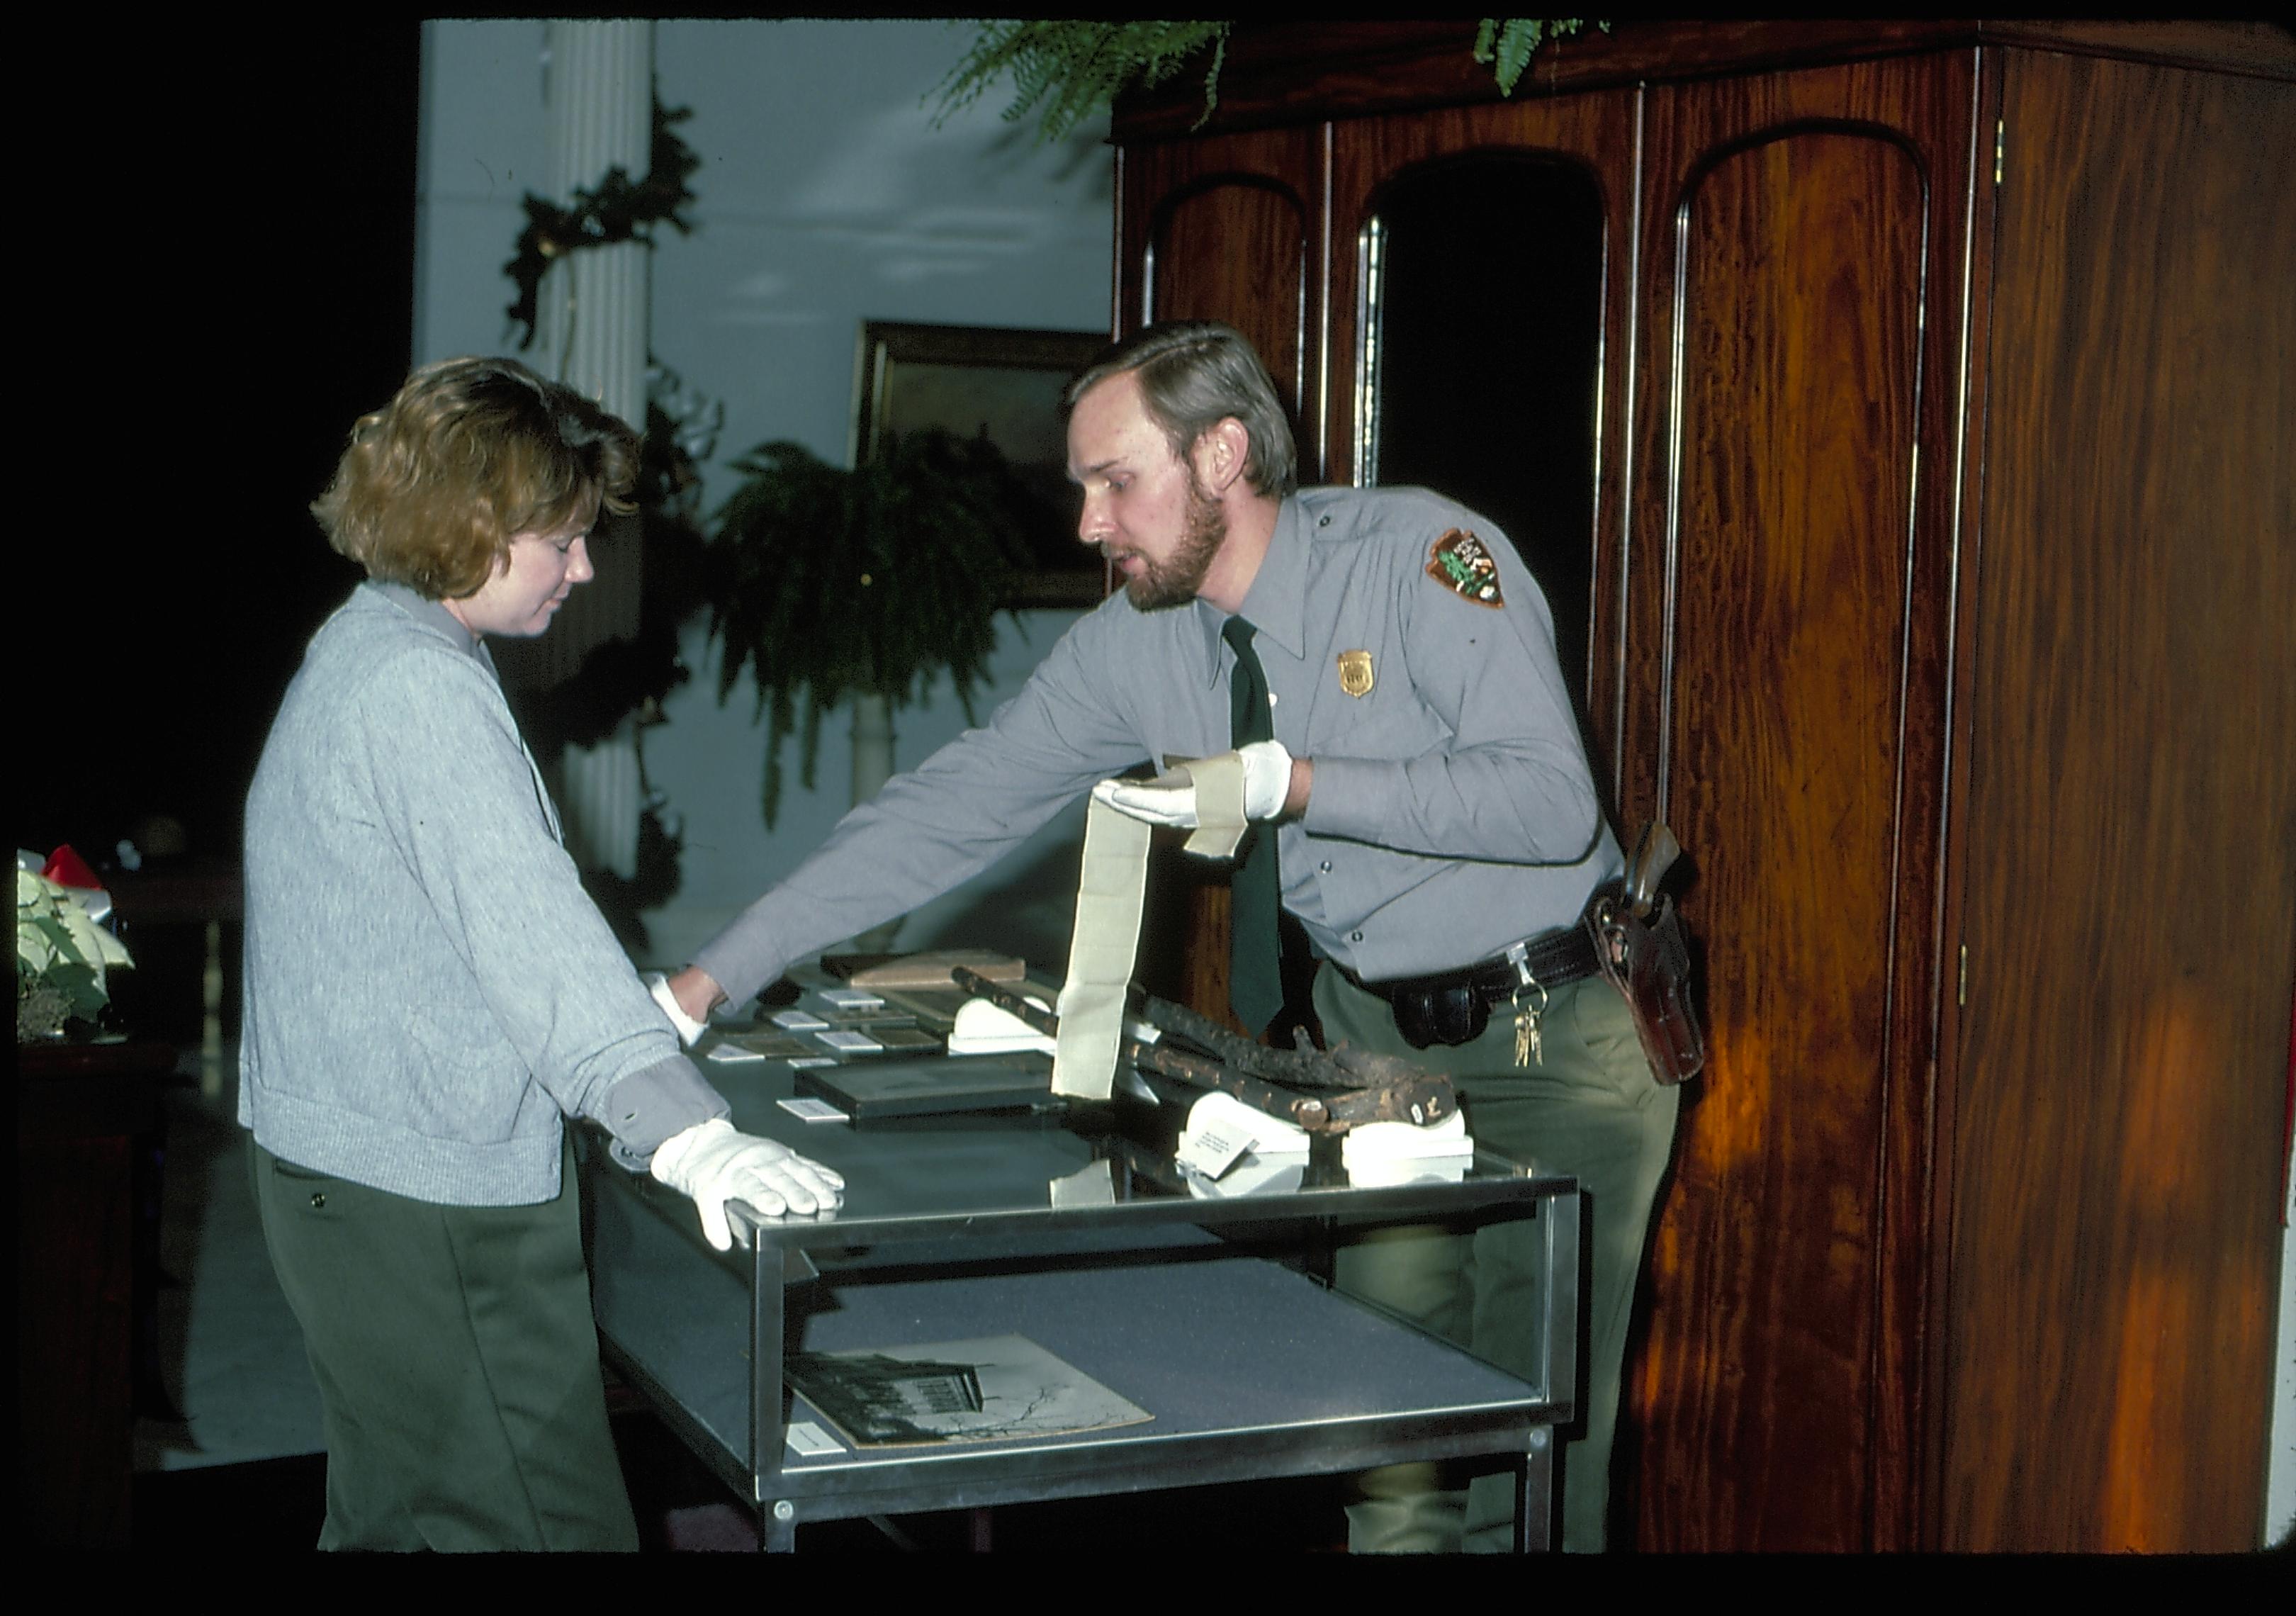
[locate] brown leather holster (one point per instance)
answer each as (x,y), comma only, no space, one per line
(1647,959)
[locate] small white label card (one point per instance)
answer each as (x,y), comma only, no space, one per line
(799,1021)
(850,1043)
(807,1438)
(812,1060)
(1093,1185)
(1214,1147)
(730,1053)
(851,998)
(805,1108)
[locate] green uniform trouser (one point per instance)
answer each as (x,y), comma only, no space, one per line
(457,1365)
(1588,1106)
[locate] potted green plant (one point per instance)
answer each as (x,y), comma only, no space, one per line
(63,951)
(826,583)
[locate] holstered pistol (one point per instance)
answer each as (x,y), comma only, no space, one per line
(1641,949)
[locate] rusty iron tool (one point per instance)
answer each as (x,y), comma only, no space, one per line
(1352,1086)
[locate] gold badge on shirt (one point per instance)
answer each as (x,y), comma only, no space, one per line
(1459,560)
(1355,672)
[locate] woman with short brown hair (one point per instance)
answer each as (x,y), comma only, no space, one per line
(430,993)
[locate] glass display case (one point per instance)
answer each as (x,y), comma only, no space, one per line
(1070,1226)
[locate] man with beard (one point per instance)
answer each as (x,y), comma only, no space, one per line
(1387,670)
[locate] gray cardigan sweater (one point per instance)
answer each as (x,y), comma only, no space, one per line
(429,989)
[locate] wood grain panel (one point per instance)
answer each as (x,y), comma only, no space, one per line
(1233,230)
(1306,71)
(1799,363)
(1595,131)
(1788,614)
(2131,858)
(1237,249)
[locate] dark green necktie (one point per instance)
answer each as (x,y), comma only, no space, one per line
(1255,985)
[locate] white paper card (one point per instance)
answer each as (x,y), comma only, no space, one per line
(733,1052)
(805,1437)
(1094,1185)
(848,1043)
(1270,1135)
(851,998)
(806,1108)
(1213,1148)
(799,1021)
(1276,1175)
(813,1060)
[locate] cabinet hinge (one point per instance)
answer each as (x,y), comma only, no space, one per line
(1961,990)
(2000,147)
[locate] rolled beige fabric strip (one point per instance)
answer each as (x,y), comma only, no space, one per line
(1219,804)
(1106,941)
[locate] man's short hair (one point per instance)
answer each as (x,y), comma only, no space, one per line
(472,453)
(1195,374)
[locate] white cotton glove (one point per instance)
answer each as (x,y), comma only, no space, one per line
(1267,779)
(1165,805)
(1267,784)
(689,1030)
(714,1165)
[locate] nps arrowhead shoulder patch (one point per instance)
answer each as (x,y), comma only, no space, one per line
(1460,562)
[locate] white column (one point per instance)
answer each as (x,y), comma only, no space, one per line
(591,334)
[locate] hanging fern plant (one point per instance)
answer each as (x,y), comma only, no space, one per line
(832,583)
(1076,69)
(1506,43)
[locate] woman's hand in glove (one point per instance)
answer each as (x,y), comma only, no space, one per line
(714,1165)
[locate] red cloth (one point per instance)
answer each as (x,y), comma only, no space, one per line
(67,868)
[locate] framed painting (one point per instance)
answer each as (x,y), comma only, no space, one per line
(987,381)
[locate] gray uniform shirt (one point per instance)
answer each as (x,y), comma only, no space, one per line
(1453,813)
(429,989)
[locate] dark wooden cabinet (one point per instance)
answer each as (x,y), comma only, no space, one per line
(1943,558)
(89,1125)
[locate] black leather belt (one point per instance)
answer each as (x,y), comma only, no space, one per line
(1558,958)
(1454,1007)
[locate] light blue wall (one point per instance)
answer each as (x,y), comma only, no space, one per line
(825,198)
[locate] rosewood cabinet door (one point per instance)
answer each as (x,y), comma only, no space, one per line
(2131,843)
(1787,572)
(1232,228)
(1482,261)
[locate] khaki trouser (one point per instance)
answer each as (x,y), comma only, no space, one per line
(1590,1107)
(457,1365)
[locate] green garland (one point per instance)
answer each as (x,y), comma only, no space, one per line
(621,209)
(624,677)
(620,678)
(1077,70)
